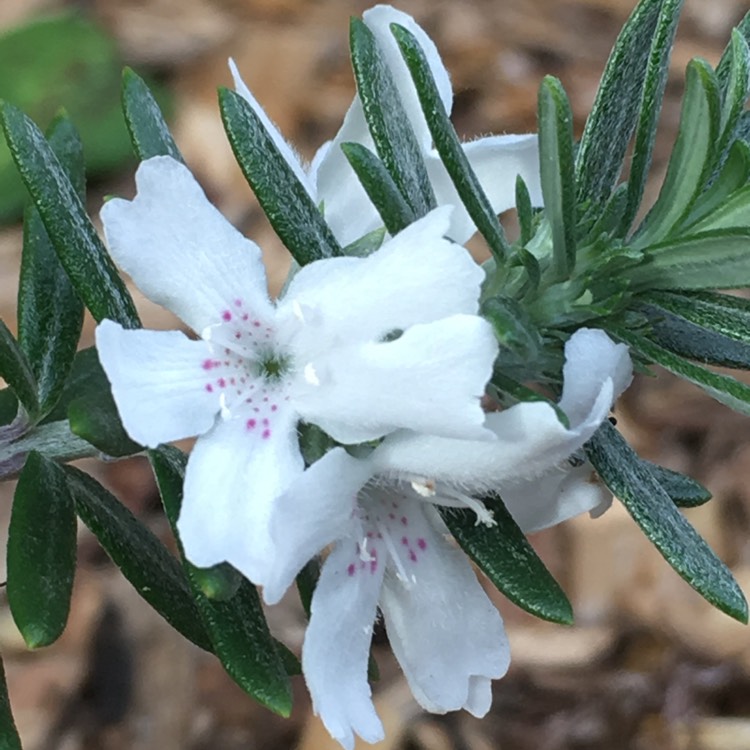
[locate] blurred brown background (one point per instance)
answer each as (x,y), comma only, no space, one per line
(649,664)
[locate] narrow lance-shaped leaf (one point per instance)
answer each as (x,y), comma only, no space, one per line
(50,312)
(693,156)
(639,53)
(694,342)
(387,120)
(655,81)
(448,144)
(717,259)
(237,627)
(557,173)
(723,388)
(632,482)
(16,371)
(724,313)
(284,199)
(148,130)
(78,246)
(9,739)
(395,212)
(733,175)
(734,90)
(41,551)
(142,558)
(684,491)
(504,554)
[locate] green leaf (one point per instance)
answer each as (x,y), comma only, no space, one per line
(525,212)
(9,739)
(237,627)
(16,370)
(556,165)
(724,68)
(148,130)
(50,313)
(722,313)
(723,388)
(8,406)
(648,503)
(522,393)
(96,420)
(655,81)
(287,204)
(631,89)
(387,120)
(449,146)
(695,342)
(684,491)
(717,259)
(366,245)
(78,246)
(735,89)
(395,212)
(504,554)
(734,212)
(693,157)
(734,175)
(41,552)
(142,558)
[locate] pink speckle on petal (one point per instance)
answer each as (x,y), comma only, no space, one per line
(251,424)
(256,323)
(266,434)
(405,540)
(266,423)
(404,520)
(412,555)
(226,315)
(237,335)
(209,388)
(208,364)
(373,566)
(392,516)
(238,302)
(274,407)
(222,383)
(421,543)
(245,316)
(350,570)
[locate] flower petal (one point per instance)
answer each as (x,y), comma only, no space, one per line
(497,161)
(346,206)
(480,696)
(560,494)
(442,627)
(429,380)
(348,210)
(158,382)
(313,512)
(285,149)
(530,439)
(379,20)
(591,358)
(179,250)
(337,645)
(416,277)
(234,474)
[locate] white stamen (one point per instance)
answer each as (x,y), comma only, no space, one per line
(225,412)
(424,487)
(401,573)
(364,555)
(310,375)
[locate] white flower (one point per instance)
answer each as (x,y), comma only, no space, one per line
(447,637)
(533,463)
(318,354)
(390,552)
(332,183)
